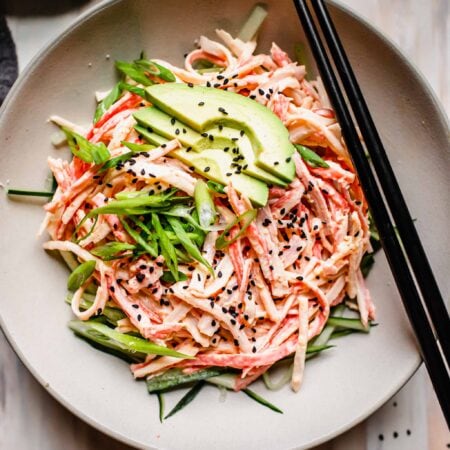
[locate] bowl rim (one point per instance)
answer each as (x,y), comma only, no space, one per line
(52,43)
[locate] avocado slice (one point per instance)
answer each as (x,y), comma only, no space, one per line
(227,139)
(216,165)
(204,108)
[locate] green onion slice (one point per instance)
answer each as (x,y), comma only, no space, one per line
(80,275)
(312,158)
(247,218)
(187,398)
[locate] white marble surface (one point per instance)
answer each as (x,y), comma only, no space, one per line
(31,420)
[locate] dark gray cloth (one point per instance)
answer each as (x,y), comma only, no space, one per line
(8,60)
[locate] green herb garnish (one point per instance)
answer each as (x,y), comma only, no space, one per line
(312,158)
(80,275)
(247,218)
(85,150)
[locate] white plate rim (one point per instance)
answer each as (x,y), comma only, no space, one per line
(441,114)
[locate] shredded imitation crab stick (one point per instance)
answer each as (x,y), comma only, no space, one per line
(273,287)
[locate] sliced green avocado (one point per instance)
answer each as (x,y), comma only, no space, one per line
(167,126)
(227,139)
(204,108)
(216,165)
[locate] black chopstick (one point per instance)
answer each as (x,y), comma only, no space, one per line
(391,245)
(392,193)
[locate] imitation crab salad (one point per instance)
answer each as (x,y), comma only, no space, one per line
(213,221)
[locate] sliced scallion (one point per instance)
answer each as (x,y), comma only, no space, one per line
(262,400)
(155,69)
(247,218)
(111,249)
(29,193)
(108,337)
(188,245)
(311,157)
(134,72)
(204,204)
(137,148)
(167,248)
(107,102)
(187,398)
(133,89)
(139,239)
(80,275)
(85,150)
(161,403)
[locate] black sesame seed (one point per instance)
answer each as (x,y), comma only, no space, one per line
(261,91)
(381,437)
(395,434)
(206,169)
(140,277)
(254,349)
(190,85)
(233,322)
(139,317)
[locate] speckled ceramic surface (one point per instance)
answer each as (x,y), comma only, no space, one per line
(341,387)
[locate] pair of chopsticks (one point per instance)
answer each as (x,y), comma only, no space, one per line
(432,322)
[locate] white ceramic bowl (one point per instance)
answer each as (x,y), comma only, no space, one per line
(342,386)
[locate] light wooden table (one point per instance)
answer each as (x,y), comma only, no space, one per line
(31,420)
